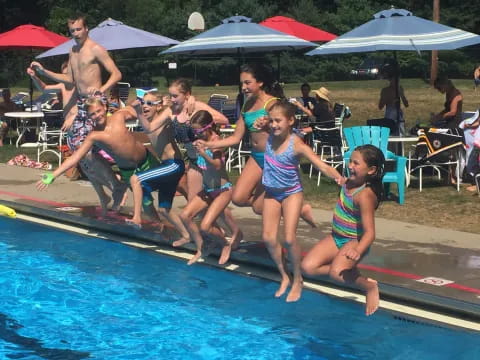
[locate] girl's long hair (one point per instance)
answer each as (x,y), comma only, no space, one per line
(264,74)
(373,156)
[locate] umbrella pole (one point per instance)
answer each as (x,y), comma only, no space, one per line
(397,89)
(278,66)
(31,85)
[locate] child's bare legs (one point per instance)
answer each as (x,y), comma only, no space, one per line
(217,207)
(345,270)
(291,207)
(193,207)
(137,199)
(237,234)
(319,258)
(271,219)
(174,219)
(194,182)
(246,184)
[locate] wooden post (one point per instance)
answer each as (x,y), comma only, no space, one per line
(434,64)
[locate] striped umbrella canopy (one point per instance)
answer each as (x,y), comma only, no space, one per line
(238,34)
(398,29)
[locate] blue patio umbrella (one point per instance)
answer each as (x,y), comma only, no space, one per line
(238,35)
(398,29)
(115,35)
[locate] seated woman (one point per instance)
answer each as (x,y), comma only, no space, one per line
(451,116)
(390,98)
(322,110)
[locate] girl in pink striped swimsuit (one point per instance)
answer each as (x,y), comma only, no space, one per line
(353,226)
(284,192)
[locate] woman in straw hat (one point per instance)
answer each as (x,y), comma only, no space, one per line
(322,111)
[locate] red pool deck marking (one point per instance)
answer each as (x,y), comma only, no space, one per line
(387,271)
(47,202)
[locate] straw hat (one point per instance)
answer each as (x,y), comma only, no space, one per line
(322,93)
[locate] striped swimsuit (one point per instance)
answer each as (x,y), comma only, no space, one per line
(281,176)
(346,224)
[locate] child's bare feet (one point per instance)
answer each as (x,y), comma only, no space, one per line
(181,241)
(295,292)
(283,286)
(195,258)
(307,215)
(135,223)
(225,255)
(372,297)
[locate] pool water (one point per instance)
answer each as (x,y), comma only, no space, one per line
(64,296)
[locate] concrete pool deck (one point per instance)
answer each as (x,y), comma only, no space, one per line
(418,264)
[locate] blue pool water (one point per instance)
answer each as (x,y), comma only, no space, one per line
(64,296)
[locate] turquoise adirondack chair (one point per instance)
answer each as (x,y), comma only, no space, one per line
(377,136)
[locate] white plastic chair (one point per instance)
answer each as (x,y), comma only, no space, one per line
(49,141)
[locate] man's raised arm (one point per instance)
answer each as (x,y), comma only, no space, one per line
(64,78)
(106,61)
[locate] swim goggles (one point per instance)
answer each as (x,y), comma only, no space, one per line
(203,129)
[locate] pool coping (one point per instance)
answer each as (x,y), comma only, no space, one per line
(396,299)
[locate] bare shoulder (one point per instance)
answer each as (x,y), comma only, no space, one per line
(366,196)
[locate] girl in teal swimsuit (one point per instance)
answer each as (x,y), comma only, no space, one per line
(353,226)
(262,92)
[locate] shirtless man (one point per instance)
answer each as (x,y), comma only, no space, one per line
(85,63)
(111,135)
(476,77)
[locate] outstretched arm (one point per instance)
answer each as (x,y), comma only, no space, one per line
(304,150)
(64,78)
(218,117)
(231,140)
(68,163)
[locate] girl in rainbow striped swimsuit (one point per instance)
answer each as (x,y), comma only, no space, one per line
(353,226)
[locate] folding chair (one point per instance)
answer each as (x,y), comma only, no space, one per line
(328,144)
(217,101)
(123,91)
(438,149)
(49,141)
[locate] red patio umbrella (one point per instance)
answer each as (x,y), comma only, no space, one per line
(30,37)
(293,27)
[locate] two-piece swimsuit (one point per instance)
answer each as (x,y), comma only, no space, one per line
(346,223)
(212,178)
(250,117)
(281,176)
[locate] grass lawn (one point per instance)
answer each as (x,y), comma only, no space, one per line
(437,205)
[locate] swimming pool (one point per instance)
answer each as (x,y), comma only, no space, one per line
(65,296)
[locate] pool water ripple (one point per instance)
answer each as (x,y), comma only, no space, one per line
(77,296)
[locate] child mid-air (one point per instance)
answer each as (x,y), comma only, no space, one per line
(284,192)
(216,193)
(353,226)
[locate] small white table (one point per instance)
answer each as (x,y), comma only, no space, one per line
(402,140)
(23,119)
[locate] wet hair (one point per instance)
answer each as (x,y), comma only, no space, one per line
(373,156)
(77,16)
(286,107)
(203,118)
(389,69)
(264,74)
(96,100)
(184,85)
